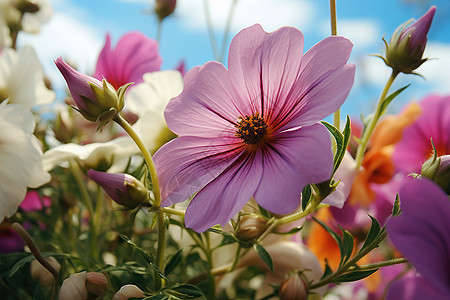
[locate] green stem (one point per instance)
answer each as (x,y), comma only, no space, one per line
(227,30)
(391,262)
(35,251)
(369,130)
(152,170)
(346,266)
(158,33)
(173,211)
(212,281)
(337,113)
(210,30)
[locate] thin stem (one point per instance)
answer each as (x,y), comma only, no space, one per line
(158,32)
(212,282)
(35,251)
(333,17)
(227,30)
(152,170)
(395,261)
(210,30)
(173,211)
(369,130)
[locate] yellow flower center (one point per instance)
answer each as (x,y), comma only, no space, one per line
(251,129)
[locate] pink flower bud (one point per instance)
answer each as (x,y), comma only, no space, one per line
(164,8)
(41,274)
(250,227)
(122,188)
(97,101)
(294,288)
(406,46)
(128,291)
(74,287)
(96,283)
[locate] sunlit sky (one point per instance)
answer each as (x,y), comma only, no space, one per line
(78,27)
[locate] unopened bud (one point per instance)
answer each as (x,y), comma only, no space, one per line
(74,287)
(127,292)
(164,8)
(41,274)
(438,170)
(122,188)
(294,288)
(250,227)
(96,283)
(406,46)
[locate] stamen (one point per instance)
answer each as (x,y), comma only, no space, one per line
(251,129)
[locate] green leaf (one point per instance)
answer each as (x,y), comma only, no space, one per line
(147,257)
(28,259)
(347,134)
(347,243)
(327,271)
(306,196)
(173,262)
(391,97)
(265,256)
(292,231)
(188,290)
(158,296)
(339,138)
(354,276)
(374,231)
(396,208)
(264,213)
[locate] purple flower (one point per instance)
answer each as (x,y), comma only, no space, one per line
(97,101)
(421,233)
(134,55)
(124,189)
(406,46)
(415,146)
(252,130)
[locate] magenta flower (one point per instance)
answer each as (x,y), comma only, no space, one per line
(421,234)
(123,188)
(134,55)
(252,130)
(406,46)
(415,146)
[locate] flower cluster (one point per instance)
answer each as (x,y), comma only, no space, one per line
(222,182)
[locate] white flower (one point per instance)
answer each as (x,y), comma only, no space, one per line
(20,157)
(74,287)
(21,78)
(31,22)
(128,291)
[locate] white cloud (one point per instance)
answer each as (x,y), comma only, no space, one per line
(269,13)
(363,33)
(68,37)
(437,69)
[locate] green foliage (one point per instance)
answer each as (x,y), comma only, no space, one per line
(341,139)
(391,97)
(264,255)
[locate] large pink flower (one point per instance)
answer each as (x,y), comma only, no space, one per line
(252,130)
(134,55)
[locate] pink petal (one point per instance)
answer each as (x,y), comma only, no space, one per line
(207,106)
(263,66)
(414,288)
(186,164)
(223,197)
(296,158)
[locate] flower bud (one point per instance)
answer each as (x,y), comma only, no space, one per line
(96,101)
(250,227)
(294,288)
(406,46)
(41,274)
(122,188)
(96,284)
(164,8)
(128,291)
(74,287)
(438,170)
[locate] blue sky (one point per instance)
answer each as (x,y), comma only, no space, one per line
(78,27)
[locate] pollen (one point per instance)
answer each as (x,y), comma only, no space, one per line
(251,129)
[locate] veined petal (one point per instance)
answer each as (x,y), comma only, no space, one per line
(222,198)
(421,232)
(186,164)
(414,288)
(207,106)
(263,66)
(296,158)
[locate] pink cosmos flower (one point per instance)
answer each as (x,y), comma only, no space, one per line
(415,146)
(134,55)
(252,130)
(421,234)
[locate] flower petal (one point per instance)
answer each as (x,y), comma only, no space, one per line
(297,158)
(421,231)
(223,197)
(186,164)
(414,288)
(207,106)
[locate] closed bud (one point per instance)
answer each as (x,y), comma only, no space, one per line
(41,274)
(127,292)
(250,227)
(164,8)
(96,284)
(122,188)
(405,49)
(294,288)
(74,287)
(438,170)
(96,100)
